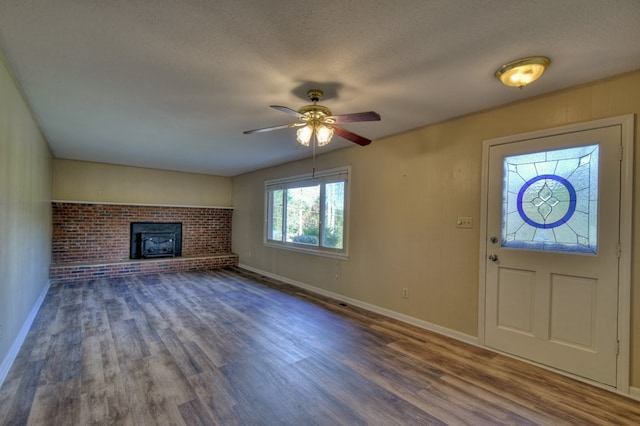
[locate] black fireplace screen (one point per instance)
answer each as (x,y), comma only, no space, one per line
(155,239)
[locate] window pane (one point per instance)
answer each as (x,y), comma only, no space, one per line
(333,215)
(550,200)
(308,213)
(276,199)
(303,214)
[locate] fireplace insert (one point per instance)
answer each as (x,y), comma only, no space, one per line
(155,239)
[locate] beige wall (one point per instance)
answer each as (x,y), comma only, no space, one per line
(99,182)
(25,212)
(406,193)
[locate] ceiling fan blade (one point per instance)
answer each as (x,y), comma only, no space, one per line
(268,129)
(356,116)
(286,110)
(350,136)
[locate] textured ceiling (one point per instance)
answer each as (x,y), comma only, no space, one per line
(172,84)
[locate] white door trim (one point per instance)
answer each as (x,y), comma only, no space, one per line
(626,205)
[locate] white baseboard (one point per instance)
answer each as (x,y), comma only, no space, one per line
(634,393)
(369,307)
(8,360)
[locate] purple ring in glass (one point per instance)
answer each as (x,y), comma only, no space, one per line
(570,210)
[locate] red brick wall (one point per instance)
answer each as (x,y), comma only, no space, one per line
(85,233)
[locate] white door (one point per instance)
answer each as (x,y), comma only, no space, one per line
(553,225)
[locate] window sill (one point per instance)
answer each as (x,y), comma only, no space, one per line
(300,249)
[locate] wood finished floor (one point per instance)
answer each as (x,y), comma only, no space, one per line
(228,347)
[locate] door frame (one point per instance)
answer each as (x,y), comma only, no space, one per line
(626,123)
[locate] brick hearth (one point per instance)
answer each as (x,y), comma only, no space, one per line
(92,240)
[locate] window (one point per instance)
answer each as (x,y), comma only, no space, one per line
(550,200)
(308,213)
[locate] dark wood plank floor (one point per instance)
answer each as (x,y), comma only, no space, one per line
(231,348)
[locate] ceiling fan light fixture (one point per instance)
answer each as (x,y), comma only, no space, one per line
(317,122)
(324,135)
(523,71)
(303,135)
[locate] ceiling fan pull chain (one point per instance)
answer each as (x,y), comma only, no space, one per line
(314,143)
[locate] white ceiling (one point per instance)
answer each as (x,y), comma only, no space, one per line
(172,84)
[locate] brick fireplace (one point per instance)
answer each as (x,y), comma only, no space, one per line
(94,240)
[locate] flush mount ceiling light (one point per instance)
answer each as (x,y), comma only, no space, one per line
(523,71)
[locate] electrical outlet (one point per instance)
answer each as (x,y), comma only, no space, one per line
(405,293)
(464,222)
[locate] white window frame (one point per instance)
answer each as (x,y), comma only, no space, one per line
(341,174)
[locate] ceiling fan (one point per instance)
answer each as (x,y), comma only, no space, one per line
(317,120)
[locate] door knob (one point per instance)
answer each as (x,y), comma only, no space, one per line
(493,257)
